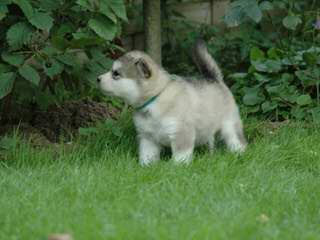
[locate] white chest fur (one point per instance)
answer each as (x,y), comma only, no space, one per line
(160,130)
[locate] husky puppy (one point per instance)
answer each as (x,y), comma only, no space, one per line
(175,113)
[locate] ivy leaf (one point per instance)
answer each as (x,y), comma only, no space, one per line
(234,15)
(26,7)
(103,27)
(67,59)
(253,11)
(240,9)
(266,6)
(4,68)
(304,100)
(261,78)
(273,53)
(291,22)
(49,5)
(3,11)
(269,66)
(18,35)
(238,75)
(86,4)
(119,8)
(268,106)
(6,83)
(106,10)
(41,20)
(12,59)
(256,54)
(298,113)
(30,74)
(253,97)
(53,68)
(311,58)
(88,131)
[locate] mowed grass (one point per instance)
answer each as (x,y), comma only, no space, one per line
(96,190)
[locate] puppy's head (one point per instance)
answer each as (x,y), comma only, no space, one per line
(131,77)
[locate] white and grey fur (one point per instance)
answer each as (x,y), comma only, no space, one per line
(184,115)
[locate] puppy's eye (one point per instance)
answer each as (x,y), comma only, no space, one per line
(115,75)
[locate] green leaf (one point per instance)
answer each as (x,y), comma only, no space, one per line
(103,27)
(253,11)
(119,8)
(240,9)
(270,66)
(304,100)
(8,143)
(26,7)
(261,78)
(88,131)
(3,11)
(4,68)
(291,22)
(273,53)
(274,90)
(311,58)
(287,77)
(41,20)
(53,68)
(86,4)
(253,97)
(13,59)
(298,113)
(6,83)
(268,106)
(305,78)
(30,74)
(238,75)
(67,59)
(18,35)
(50,5)
(106,10)
(256,54)
(266,6)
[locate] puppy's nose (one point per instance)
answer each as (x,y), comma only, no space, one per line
(99,79)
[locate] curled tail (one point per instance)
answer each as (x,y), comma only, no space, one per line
(205,63)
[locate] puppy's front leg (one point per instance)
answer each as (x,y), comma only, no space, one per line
(149,151)
(182,146)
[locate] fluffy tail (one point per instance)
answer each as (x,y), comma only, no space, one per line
(205,63)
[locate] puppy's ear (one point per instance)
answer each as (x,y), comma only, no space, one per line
(143,68)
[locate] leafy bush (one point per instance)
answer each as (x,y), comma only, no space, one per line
(271,59)
(283,76)
(49,47)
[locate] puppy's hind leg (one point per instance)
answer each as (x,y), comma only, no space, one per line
(149,151)
(233,136)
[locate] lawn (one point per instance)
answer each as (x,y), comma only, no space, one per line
(95,189)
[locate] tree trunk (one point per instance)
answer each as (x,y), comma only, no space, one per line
(152,28)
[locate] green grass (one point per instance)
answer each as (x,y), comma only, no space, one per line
(97,190)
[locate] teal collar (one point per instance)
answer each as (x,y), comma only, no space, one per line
(152,99)
(147,103)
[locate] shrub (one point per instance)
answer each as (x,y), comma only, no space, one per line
(271,59)
(49,47)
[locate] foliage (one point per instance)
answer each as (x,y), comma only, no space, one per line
(283,77)
(49,47)
(271,59)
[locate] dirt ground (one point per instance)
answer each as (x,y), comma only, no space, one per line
(57,122)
